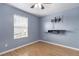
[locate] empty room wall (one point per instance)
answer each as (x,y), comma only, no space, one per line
(70,23)
(7,29)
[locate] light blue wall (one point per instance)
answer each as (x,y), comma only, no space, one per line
(70,23)
(6,28)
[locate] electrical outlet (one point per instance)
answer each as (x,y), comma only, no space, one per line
(6,45)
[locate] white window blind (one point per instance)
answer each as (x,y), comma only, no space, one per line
(20,26)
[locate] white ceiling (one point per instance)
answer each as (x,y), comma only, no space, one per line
(49,8)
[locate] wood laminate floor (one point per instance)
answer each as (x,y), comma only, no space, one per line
(43,49)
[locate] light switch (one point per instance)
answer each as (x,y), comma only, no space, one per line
(6,45)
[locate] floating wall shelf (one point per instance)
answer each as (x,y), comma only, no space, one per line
(57,31)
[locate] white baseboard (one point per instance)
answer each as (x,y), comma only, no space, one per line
(18,47)
(76,49)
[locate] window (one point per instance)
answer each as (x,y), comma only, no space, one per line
(20,26)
